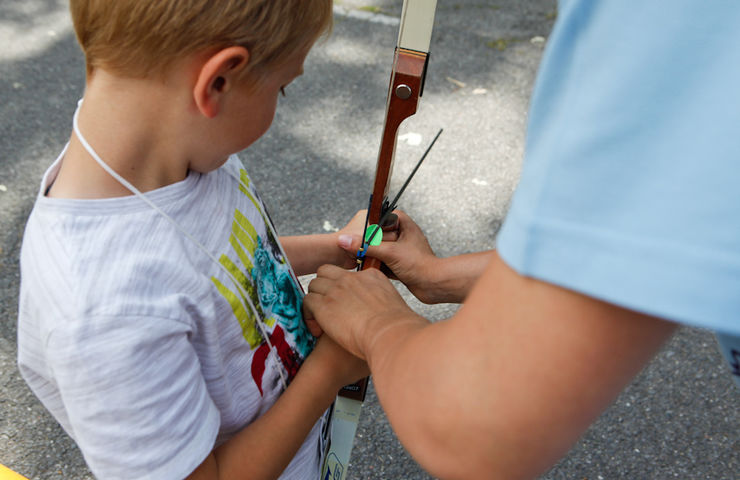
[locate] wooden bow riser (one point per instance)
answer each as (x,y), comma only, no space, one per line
(408,72)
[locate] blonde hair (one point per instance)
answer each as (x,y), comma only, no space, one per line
(142,38)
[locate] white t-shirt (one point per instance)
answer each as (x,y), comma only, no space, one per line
(139,344)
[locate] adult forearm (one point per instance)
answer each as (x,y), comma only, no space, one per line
(426,397)
(449,280)
(506,386)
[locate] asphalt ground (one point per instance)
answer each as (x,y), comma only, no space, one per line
(678,419)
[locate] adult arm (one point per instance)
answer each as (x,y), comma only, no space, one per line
(411,260)
(504,387)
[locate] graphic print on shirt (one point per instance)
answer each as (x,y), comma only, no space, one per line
(267,279)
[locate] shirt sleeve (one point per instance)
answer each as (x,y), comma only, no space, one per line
(135,396)
(629,186)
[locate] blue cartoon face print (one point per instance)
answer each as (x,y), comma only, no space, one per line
(279,296)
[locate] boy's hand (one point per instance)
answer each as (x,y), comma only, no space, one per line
(313,326)
(336,364)
(408,256)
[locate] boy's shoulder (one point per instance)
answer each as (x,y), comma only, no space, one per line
(125,266)
(95,250)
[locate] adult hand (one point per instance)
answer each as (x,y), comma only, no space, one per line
(407,255)
(356,308)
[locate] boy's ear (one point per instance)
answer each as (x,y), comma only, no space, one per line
(216,77)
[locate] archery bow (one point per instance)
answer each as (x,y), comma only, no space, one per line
(406,86)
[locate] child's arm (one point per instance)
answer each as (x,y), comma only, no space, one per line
(307,253)
(265,447)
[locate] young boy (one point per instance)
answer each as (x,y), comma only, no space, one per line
(159,315)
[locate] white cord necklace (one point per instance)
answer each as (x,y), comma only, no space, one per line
(135,191)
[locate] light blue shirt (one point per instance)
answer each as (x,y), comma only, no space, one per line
(630,189)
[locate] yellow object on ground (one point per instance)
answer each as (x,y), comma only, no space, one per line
(8,474)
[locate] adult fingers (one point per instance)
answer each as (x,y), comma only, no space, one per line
(331,272)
